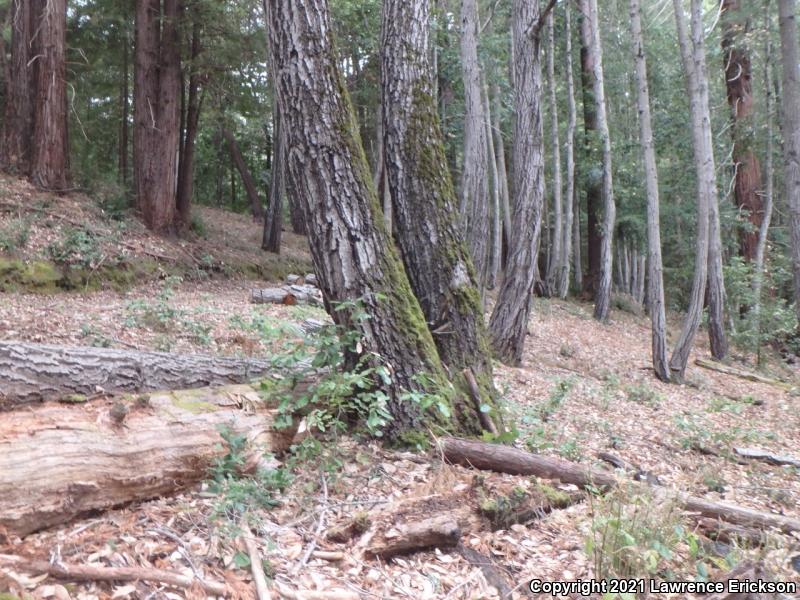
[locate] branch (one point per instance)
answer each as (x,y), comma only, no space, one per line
(543,17)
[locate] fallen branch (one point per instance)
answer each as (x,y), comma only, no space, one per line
(763,455)
(441,531)
(287,294)
(741,374)
(68,572)
(260,580)
(491,573)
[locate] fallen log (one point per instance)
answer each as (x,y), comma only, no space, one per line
(440,531)
(740,373)
(504,459)
(68,572)
(768,457)
(39,372)
(287,294)
(59,462)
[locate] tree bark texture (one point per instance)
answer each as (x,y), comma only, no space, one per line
(194,104)
(50,146)
(124,105)
(475,176)
(58,462)
(655,277)
(156,93)
(571,217)
(509,322)
(496,249)
(554,267)
(425,205)
(353,255)
(790,59)
(502,169)
(18,122)
(256,208)
(273,219)
(37,372)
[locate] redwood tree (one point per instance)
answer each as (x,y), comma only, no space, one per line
(18,125)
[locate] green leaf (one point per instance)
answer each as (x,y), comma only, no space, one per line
(241,560)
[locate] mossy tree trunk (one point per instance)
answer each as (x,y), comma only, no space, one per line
(425,205)
(353,255)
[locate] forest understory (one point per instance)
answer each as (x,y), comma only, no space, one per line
(585,391)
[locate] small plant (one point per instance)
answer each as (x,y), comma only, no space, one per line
(76,247)
(570,450)
(94,337)
(160,315)
(198,226)
(557,396)
(15,235)
(643,394)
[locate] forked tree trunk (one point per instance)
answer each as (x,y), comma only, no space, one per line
(509,321)
(256,208)
(693,59)
(50,146)
(790,58)
(156,93)
(425,205)
(570,248)
(502,169)
(655,278)
(602,297)
(474,182)
(496,250)
(353,256)
(554,266)
(18,122)
(186,158)
(273,219)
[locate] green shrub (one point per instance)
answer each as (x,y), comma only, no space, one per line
(15,235)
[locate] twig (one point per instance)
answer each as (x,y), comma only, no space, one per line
(262,591)
(181,547)
(320,526)
(287,592)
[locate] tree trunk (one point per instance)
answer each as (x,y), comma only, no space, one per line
(592,170)
(655,275)
(125,107)
(59,462)
(354,258)
(555,266)
(570,248)
(500,148)
(156,92)
(693,58)
(50,146)
(18,122)
(602,290)
(273,220)
(509,321)
(496,250)
(747,169)
(37,372)
(790,58)
(186,159)
(256,208)
(474,188)
(425,205)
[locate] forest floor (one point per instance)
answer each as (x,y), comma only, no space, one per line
(584,388)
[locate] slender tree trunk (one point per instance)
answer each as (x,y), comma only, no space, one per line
(353,256)
(790,97)
(256,208)
(571,217)
(509,321)
(602,304)
(693,58)
(496,253)
(502,170)
(18,122)
(474,182)
(125,107)
(50,146)
(194,105)
(555,266)
(425,204)
(380,177)
(273,219)
(156,93)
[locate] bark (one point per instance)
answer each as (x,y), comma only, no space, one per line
(156,91)
(353,256)
(768,457)
(474,188)
(555,266)
(602,290)
(509,321)
(693,58)
(37,372)
(655,277)
(570,248)
(59,462)
(440,531)
(50,145)
(496,250)
(790,99)
(738,82)
(273,219)
(425,205)
(256,208)
(288,294)
(18,122)
(194,104)
(125,106)
(502,170)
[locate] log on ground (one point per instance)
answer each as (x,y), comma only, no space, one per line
(58,462)
(39,372)
(287,294)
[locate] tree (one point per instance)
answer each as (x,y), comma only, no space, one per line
(256,208)
(509,322)
(353,257)
(555,267)
(157,84)
(475,176)
(18,122)
(424,202)
(573,215)
(273,218)
(655,289)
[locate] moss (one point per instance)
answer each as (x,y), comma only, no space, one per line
(414,439)
(75,399)
(193,401)
(555,497)
(7,596)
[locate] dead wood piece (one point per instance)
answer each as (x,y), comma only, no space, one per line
(41,372)
(503,459)
(731,534)
(353,528)
(68,572)
(764,455)
(310,326)
(636,472)
(741,374)
(491,572)
(287,294)
(744,571)
(293,279)
(440,531)
(259,579)
(58,462)
(326,555)
(290,594)
(311,279)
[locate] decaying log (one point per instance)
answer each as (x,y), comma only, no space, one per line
(504,459)
(763,455)
(67,572)
(742,571)
(740,373)
(440,531)
(287,294)
(58,462)
(491,573)
(38,372)
(731,534)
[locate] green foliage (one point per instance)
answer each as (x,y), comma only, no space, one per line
(14,235)
(641,393)
(76,247)
(198,226)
